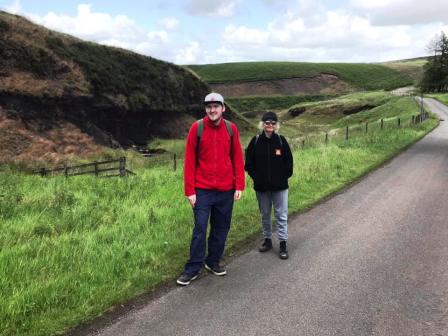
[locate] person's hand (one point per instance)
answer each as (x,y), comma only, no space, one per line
(192,200)
(237,195)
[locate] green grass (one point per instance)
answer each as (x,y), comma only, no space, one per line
(263,103)
(71,248)
(442,97)
(411,68)
(359,75)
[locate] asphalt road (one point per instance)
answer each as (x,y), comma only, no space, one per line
(373,260)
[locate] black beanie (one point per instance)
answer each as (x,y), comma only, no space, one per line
(269,116)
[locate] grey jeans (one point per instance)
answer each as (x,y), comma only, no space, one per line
(279,200)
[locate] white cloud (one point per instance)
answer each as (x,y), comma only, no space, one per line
(304,30)
(92,26)
(402,12)
(212,7)
(329,36)
(169,23)
(119,31)
(188,55)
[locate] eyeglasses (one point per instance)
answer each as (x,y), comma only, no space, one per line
(269,122)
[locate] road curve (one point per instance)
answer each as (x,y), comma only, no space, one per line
(372,260)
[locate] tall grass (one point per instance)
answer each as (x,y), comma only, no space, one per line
(71,248)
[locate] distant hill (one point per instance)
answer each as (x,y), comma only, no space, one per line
(292,78)
(412,67)
(52,84)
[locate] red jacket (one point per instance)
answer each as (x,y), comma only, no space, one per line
(220,164)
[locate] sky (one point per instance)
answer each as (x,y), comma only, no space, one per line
(218,31)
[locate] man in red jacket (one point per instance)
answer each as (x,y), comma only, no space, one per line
(213,179)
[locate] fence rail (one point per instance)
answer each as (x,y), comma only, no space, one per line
(97,168)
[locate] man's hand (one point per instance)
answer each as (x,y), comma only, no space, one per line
(237,195)
(192,200)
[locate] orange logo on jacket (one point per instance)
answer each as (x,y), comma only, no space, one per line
(278,152)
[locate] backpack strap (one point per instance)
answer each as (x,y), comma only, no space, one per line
(280,140)
(229,127)
(199,132)
(200,129)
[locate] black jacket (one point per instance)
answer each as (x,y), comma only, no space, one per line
(269,162)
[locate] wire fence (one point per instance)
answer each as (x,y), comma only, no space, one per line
(162,159)
(349,132)
(170,160)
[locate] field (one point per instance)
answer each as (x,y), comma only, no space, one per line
(359,75)
(72,248)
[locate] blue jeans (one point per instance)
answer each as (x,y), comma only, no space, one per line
(216,205)
(278,199)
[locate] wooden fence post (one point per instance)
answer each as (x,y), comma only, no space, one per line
(326,138)
(122,166)
(43,172)
(346,132)
(96,168)
(399,122)
(174,161)
(382,123)
(367,126)
(66,171)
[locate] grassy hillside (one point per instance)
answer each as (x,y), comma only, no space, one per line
(78,67)
(412,68)
(360,76)
(248,104)
(345,110)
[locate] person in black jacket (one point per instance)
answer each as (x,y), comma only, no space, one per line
(269,163)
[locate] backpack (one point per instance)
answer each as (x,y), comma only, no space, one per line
(200,130)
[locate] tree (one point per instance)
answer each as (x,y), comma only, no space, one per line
(435,76)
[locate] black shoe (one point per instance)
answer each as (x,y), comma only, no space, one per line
(216,270)
(283,251)
(185,279)
(266,246)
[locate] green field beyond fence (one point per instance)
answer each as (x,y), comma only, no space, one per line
(72,248)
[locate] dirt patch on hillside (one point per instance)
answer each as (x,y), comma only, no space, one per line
(28,144)
(321,84)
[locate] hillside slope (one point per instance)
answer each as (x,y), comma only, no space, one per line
(291,78)
(52,82)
